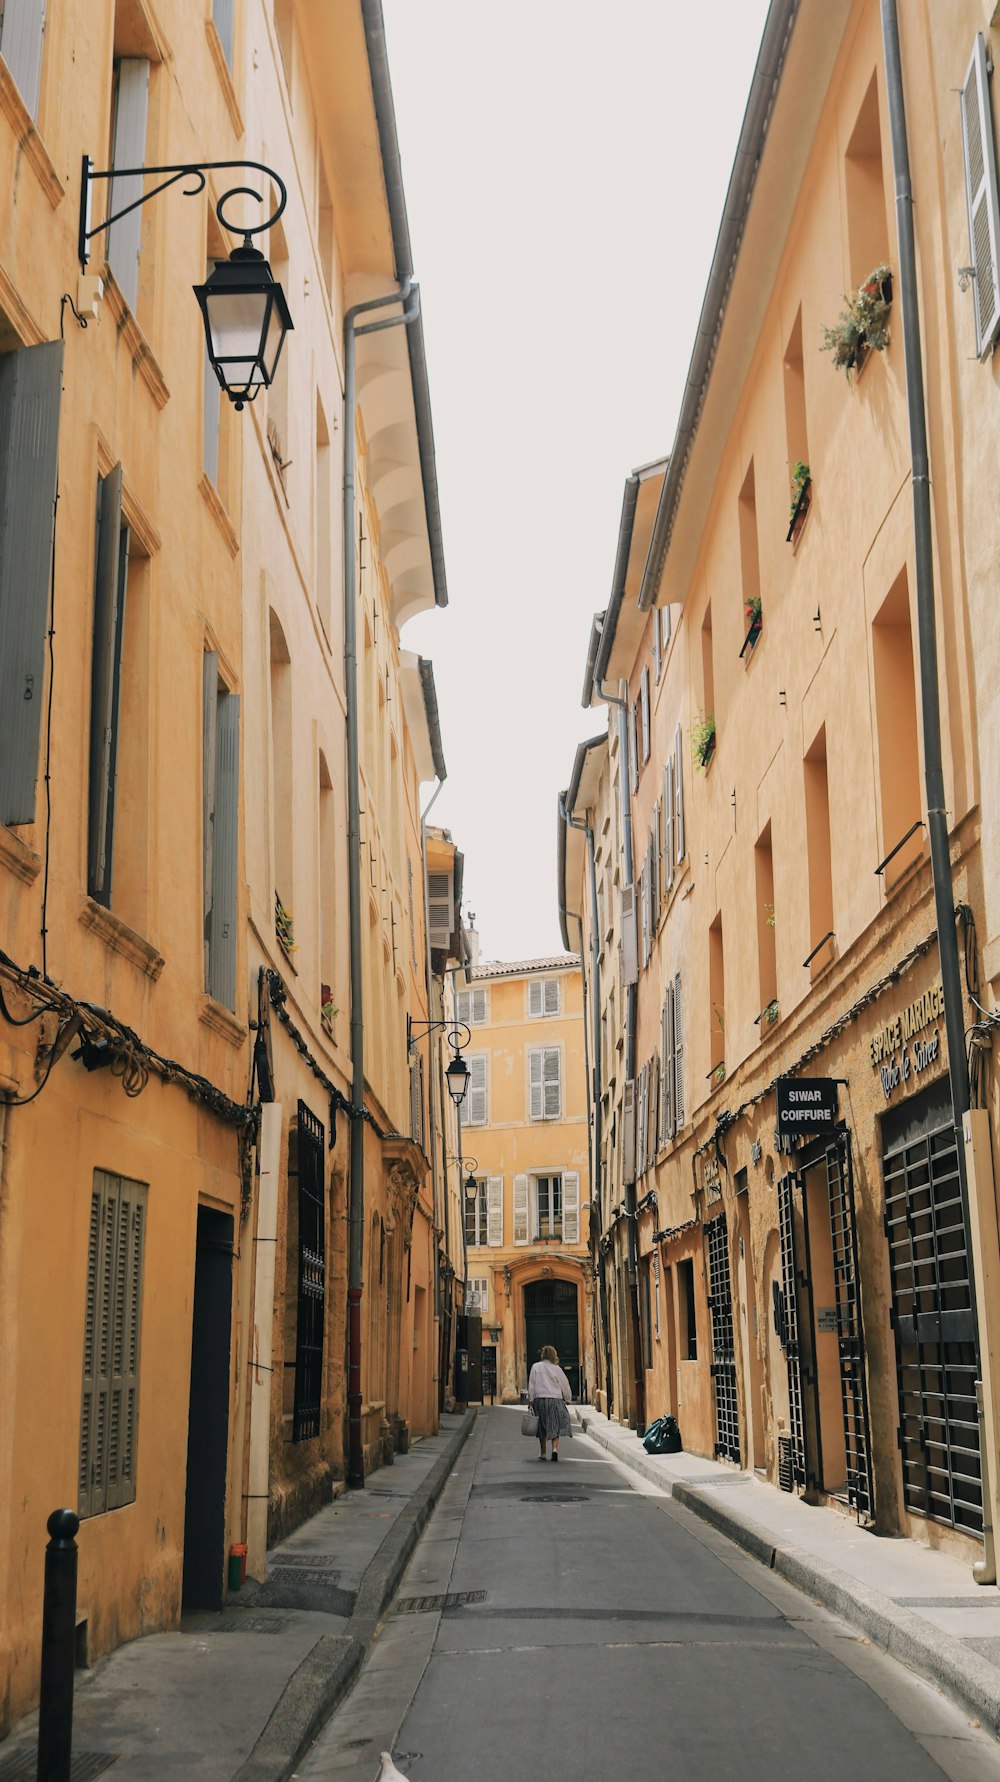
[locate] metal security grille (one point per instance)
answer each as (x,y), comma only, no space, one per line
(312,1278)
(720,1305)
(850,1342)
(787,1320)
(932,1320)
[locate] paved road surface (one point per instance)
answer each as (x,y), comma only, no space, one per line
(618,1637)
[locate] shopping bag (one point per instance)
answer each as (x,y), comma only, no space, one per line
(529,1423)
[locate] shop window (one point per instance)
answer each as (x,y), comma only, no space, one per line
(686,1314)
(867,225)
(767,965)
(898,741)
(819,853)
(717,995)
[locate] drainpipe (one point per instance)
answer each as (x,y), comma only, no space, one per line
(596,1195)
(432,1082)
(408,295)
(984,1571)
(630,1025)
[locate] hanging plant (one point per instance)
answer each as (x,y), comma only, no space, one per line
(327,1007)
(770,1014)
(284,927)
(863,326)
(703,739)
(800,501)
(753,614)
(719,1073)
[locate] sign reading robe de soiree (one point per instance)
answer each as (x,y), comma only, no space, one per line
(806,1104)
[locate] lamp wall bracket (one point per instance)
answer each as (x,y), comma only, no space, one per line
(183,170)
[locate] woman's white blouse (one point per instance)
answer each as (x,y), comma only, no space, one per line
(547,1380)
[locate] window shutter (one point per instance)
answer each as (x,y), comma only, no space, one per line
(212,398)
(643,917)
(981,196)
(668,826)
(678,1057)
(520,1209)
(222,14)
(476,1100)
(630,964)
(667,1067)
(494,1212)
(463,1008)
(209,709)
(110,582)
(633,745)
(415,1102)
(93,1412)
(654,1106)
(479,1008)
(571,1207)
(679,842)
(551,996)
(125,236)
(535,1085)
(657,649)
(552,1083)
(124,1406)
(21,39)
(654,870)
(644,704)
(640,1126)
(109,1414)
(666,615)
(30,383)
(535,999)
(222,917)
(628,1132)
(440,909)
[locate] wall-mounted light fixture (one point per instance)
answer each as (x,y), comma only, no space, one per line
(243,307)
(457,1073)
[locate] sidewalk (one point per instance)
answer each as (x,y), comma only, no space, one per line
(920,1606)
(240,1694)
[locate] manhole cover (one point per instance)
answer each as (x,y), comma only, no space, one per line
(253,1624)
(554,1497)
(21,1766)
(310,1562)
(427,1605)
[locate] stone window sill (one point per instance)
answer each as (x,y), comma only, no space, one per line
(122,939)
(224,73)
(138,346)
(222,1020)
(213,501)
(19,118)
(18,857)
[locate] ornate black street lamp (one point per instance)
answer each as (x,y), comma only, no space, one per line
(457,1077)
(243,307)
(457,1074)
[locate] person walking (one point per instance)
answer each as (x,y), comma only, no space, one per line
(549,1392)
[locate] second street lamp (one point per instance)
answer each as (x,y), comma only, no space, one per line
(246,320)
(458,1075)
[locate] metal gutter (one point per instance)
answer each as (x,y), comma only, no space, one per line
(594,645)
(433,716)
(392,172)
(567,804)
(614,606)
(757,117)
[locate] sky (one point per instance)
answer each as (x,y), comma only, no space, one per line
(565,165)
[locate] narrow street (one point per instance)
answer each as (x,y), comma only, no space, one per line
(611,1634)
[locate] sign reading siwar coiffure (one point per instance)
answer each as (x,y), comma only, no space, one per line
(897,1052)
(805,1104)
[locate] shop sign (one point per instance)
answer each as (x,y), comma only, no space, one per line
(711,1180)
(897,1050)
(806,1104)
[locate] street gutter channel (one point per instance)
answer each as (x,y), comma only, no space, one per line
(327,1672)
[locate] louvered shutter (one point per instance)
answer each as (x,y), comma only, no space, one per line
(640,1125)
(535,1096)
(110,1406)
(628,1131)
(654,1106)
(657,649)
(223,15)
(93,1412)
(535,999)
(211,400)
(110,581)
(440,909)
(479,1007)
(644,706)
(209,711)
(571,1207)
(633,746)
(463,1008)
(124,1402)
(981,197)
(21,38)
(552,1083)
(643,918)
(520,1209)
(494,1212)
(30,383)
(125,236)
(415,1102)
(654,864)
(668,826)
(551,996)
(476,1099)
(222,917)
(666,616)
(678,1057)
(669,1073)
(630,963)
(679,841)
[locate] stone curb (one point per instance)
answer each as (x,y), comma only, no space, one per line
(956,1669)
(326,1673)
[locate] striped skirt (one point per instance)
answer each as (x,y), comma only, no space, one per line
(553,1418)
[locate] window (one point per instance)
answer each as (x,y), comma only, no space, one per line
(680,844)
(305,1278)
(324,520)
(282,788)
(686,1310)
(476,1213)
(545,1083)
(22,26)
(478,1300)
(440,910)
(548,1207)
(867,226)
(220,830)
(327,882)
(284,26)
(223,16)
(633,749)
(767,965)
(665,614)
(109,1418)
(644,710)
(818,850)
(717,995)
(30,385)
(657,649)
(981,197)
(544,997)
(128,136)
(794,377)
(630,938)
(476,1109)
(471,1007)
(896,722)
(749,550)
(647,1312)
(708,668)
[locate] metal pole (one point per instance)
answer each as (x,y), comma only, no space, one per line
(937,815)
(55,1703)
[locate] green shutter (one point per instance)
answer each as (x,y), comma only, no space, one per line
(30,385)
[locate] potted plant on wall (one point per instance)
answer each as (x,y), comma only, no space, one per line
(753,614)
(863,326)
(284,927)
(703,739)
(327,1008)
(801,498)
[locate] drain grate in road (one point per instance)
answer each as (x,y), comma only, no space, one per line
(251,1624)
(554,1497)
(427,1605)
(20,1766)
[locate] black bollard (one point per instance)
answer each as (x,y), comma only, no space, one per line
(55,1704)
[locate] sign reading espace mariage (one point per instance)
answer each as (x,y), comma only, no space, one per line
(896,1037)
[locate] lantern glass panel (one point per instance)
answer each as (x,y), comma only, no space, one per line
(236,321)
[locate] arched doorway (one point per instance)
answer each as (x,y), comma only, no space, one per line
(551,1317)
